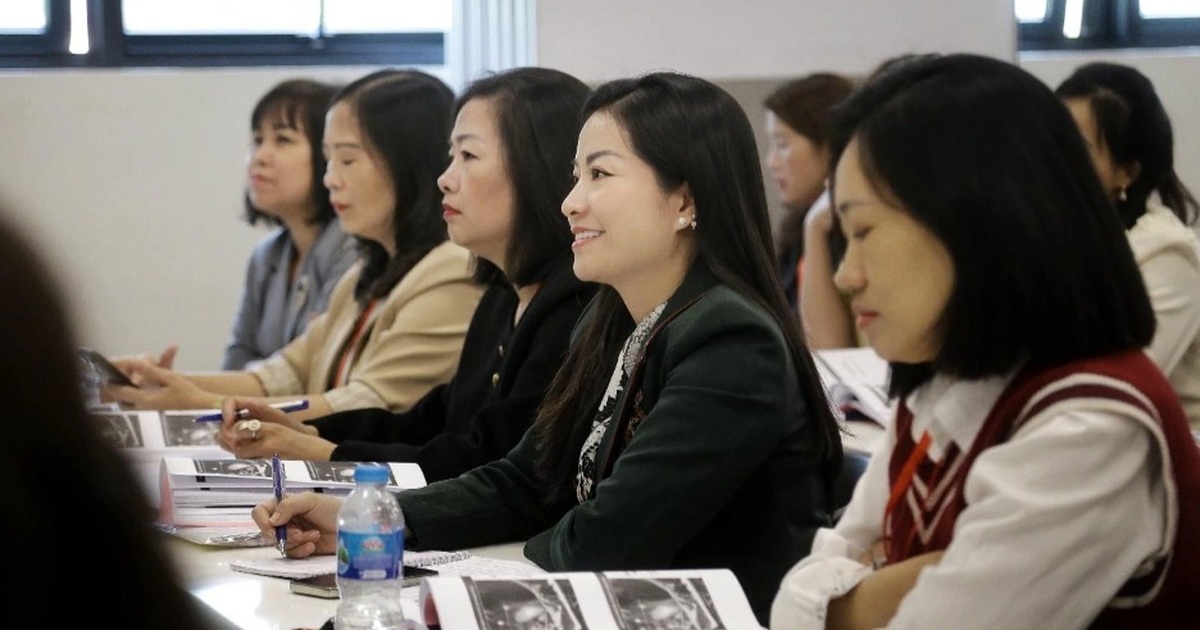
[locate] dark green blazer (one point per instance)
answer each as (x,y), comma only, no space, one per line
(708,462)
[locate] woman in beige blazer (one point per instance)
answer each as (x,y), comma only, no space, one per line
(396,322)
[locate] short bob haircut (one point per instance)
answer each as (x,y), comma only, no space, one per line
(538,119)
(404,117)
(297,104)
(986,157)
(1135,128)
(689,131)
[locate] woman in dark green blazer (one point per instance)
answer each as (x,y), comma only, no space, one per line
(687,427)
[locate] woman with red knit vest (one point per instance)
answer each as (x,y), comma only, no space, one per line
(1040,472)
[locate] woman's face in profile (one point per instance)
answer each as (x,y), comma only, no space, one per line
(626,226)
(360,189)
(279,169)
(898,275)
(477,194)
(797,165)
(1113,177)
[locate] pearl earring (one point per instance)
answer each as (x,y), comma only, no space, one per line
(1121,193)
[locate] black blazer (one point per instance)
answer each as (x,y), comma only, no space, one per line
(487,406)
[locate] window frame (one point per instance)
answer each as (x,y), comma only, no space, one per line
(111,46)
(1107,24)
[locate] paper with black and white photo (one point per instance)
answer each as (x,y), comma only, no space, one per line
(618,600)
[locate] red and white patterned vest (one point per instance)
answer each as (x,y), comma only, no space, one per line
(1163,592)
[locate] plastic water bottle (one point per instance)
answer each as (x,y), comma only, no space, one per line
(370,553)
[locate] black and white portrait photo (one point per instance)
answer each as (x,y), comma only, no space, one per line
(342,472)
(241,467)
(121,430)
(180,429)
(525,604)
(661,604)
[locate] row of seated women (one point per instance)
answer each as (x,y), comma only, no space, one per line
(1039,471)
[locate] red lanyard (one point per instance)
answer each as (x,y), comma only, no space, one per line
(350,352)
(900,487)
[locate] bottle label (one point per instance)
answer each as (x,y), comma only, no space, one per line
(370,556)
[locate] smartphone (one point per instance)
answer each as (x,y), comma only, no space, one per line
(325,585)
(107,371)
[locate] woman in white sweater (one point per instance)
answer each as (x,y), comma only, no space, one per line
(1128,133)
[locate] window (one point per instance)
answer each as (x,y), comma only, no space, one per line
(1100,24)
(223,32)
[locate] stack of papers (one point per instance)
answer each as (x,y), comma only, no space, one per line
(221,492)
(145,437)
(856,380)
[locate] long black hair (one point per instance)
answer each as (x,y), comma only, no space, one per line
(404,116)
(690,132)
(1135,127)
(537,111)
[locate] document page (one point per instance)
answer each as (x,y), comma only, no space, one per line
(700,599)
(857,380)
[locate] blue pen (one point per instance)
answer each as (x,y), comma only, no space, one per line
(286,407)
(277,481)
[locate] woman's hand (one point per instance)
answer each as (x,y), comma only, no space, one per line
(311,521)
(875,600)
(265,430)
(158,388)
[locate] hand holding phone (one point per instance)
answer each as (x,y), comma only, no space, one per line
(108,372)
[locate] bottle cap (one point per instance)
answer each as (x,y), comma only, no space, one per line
(371,473)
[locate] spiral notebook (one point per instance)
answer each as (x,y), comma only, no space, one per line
(293,568)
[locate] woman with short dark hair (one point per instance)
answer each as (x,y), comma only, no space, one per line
(292,271)
(1039,471)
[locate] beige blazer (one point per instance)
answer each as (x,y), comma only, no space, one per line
(413,345)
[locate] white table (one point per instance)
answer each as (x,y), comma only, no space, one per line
(256,602)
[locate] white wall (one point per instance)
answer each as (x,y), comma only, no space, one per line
(131,180)
(722,39)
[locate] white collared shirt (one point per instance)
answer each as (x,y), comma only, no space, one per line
(1057,519)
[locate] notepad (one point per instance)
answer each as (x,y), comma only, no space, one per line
(293,568)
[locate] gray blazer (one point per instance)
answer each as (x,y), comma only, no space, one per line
(273,311)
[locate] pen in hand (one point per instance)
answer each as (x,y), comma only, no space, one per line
(286,407)
(277,479)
